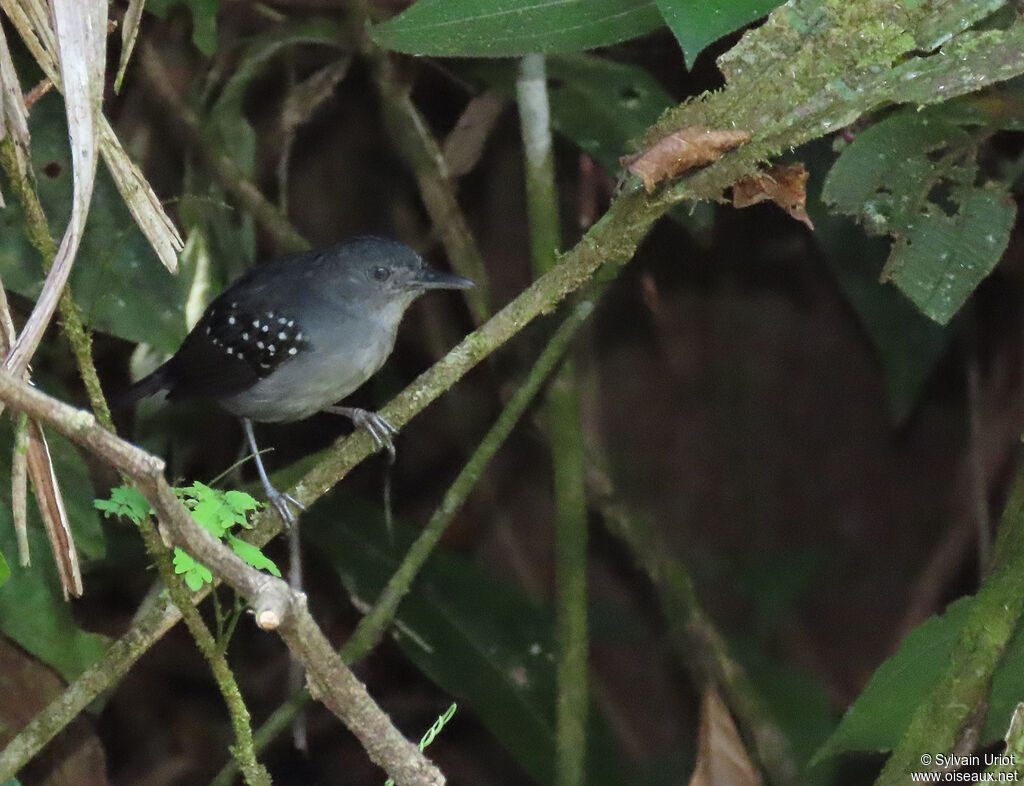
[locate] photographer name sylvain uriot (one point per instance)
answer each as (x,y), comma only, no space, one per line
(944,760)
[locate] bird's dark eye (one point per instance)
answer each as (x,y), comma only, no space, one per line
(381,273)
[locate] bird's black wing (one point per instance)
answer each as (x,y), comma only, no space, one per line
(240,340)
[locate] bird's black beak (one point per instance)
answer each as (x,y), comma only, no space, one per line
(430,278)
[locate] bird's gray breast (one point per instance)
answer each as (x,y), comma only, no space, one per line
(343,351)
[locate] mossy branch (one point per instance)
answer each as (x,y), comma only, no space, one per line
(38,232)
(816,67)
(995,613)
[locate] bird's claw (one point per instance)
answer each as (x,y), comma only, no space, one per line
(380,429)
(281,501)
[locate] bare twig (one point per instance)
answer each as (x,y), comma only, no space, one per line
(224,169)
(411,135)
(300,105)
(19,490)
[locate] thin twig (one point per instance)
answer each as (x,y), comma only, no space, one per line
(562,420)
(411,135)
(224,169)
(244,751)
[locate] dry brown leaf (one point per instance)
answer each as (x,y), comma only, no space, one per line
(129,32)
(51,508)
(721,758)
(31,18)
(681,151)
(19,490)
(32,459)
(465,143)
(785,185)
(76,755)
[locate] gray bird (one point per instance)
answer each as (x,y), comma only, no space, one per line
(291,337)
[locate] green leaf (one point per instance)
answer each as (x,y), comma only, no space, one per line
(241,503)
(183,561)
(252,555)
(912,176)
(940,263)
(601,105)
(908,344)
(125,501)
(117,281)
(211,509)
(596,103)
(697,23)
(475,637)
(204,20)
(5,569)
(1007,689)
(33,611)
(195,573)
(504,28)
(882,712)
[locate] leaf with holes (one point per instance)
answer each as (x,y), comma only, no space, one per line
(601,105)
(913,176)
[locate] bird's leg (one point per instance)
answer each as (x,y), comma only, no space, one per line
(378,426)
(281,501)
(278,499)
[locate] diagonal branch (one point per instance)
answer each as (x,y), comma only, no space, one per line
(330,679)
(612,240)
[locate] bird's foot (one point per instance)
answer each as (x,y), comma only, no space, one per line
(378,426)
(282,502)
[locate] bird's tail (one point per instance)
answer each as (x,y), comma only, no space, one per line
(147,386)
